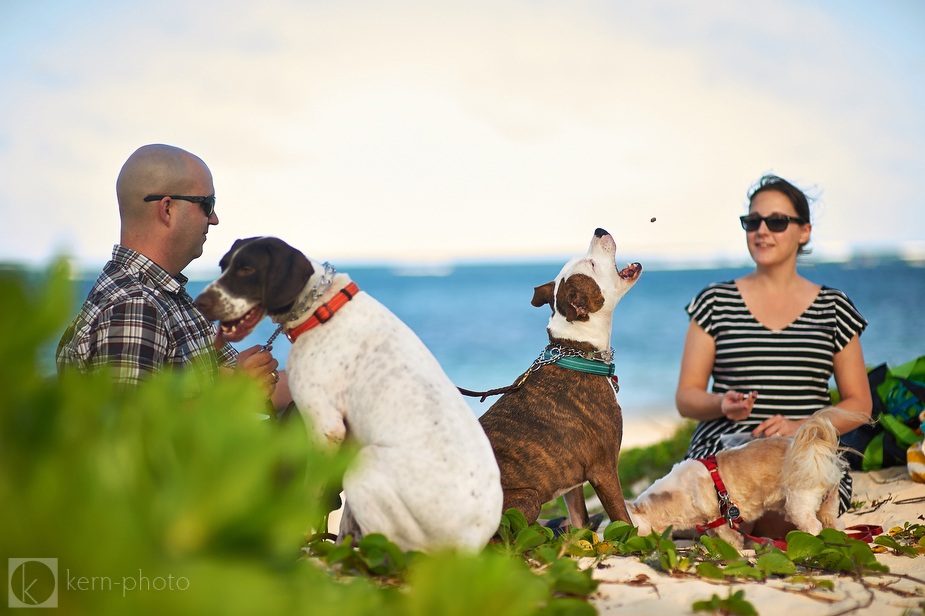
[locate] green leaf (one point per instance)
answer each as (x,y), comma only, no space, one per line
(527,539)
(713,605)
(736,604)
(710,571)
(742,569)
(834,560)
(831,535)
(458,585)
(373,540)
(546,555)
(718,548)
(516,519)
(776,563)
(667,554)
(619,531)
(565,577)
(504,530)
(396,556)
(568,606)
(802,545)
(376,560)
(339,554)
(638,544)
(322,548)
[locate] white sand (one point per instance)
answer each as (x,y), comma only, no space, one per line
(649,425)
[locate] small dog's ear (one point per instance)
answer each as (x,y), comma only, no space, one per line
(542,294)
(286,276)
(577,297)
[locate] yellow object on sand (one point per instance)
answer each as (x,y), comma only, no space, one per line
(915,461)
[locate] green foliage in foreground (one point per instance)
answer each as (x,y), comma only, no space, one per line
(164,502)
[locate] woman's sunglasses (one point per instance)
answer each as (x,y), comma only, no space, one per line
(206,203)
(775,222)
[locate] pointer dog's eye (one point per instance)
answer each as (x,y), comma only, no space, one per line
(244,270)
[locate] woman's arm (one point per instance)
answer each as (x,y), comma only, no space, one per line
(692,398)
(853,386)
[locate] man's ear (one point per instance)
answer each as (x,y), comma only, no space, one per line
(543,294)
(164,210)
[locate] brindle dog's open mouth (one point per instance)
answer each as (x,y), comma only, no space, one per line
(631,271)
(237,329)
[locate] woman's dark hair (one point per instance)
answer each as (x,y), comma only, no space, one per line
(796,196)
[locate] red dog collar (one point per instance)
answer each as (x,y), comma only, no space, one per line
(727,509)
(324,312)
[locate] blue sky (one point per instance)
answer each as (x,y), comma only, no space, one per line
(442,131)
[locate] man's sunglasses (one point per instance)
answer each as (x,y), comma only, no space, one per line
(206,203)
(775,222)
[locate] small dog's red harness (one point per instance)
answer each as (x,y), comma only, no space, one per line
(325,311)
(728,510)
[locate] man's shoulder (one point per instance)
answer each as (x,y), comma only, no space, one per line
(117,285)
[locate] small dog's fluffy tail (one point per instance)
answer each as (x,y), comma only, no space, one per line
(813,458)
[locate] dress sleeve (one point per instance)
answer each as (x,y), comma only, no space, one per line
(848,321)
(701,309)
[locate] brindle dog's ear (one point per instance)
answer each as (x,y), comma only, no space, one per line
(286,276)
(578,297)
(542,294)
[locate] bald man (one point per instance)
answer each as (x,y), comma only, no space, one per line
(138,318)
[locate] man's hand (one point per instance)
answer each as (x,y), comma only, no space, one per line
(259,365)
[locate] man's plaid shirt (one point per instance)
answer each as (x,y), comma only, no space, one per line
(138,319)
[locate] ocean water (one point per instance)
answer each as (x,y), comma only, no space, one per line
(479,323)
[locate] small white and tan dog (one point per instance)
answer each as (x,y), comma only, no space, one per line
(796,477)
(425,475)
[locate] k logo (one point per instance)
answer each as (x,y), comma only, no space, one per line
(33,582)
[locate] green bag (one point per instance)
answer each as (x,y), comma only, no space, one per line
(898,399)
(903,388)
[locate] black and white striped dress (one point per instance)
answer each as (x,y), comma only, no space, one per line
(789,369)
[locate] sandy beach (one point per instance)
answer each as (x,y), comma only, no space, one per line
(631,587)
(646,426)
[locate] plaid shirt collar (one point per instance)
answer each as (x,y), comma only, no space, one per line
(156,275)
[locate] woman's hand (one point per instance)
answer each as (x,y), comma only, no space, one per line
(778,426)
(738,406)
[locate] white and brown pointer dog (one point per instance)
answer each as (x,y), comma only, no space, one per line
(425,475)
(797,477)
(563,427)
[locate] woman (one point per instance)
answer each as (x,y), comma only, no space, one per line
(770,340)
